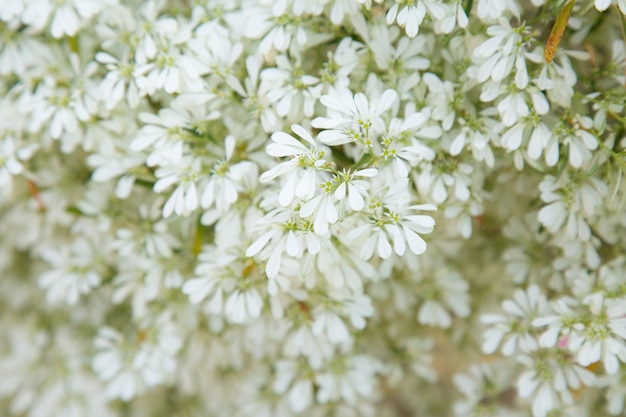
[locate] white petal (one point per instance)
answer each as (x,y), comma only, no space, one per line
(384,248)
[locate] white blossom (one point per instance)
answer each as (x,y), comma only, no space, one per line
(514,330)
(229,208)
(352,117)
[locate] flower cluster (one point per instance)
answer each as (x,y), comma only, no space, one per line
(316,208)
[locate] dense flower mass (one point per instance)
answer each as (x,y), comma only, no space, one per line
(312,208)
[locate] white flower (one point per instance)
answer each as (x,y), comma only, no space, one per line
(558,79)
(119,83)
(561,324)
(67,17)
(331,325)
(153,236)
(411,14)
(242,304)
(356,379)
(433,181)
(351,118)
(172,72)
(570,204)
(301,170)
(357,307)
(278,33)
(477,132)
(353,188)
(603,5)
(294,92)
(340,65)
(73,273)
(117,161)
(256,99)
(286,234)
(254,181)
(342,8)
(485,385)
(184,176)
(342,267)
(514,328)
(217,54)
(549,380)
(10,164)
(153,31)
(323,208)
(580,143)
(495,59)
(615,392)
(302,341)
(403,153)
(167,132)
(57,106)
(494,9)
(539,140)
(290,380)
(129,368)
(224,183)
(441,96)
(445,291)
(604,336)
(214,279)
(395,223)
(464,214)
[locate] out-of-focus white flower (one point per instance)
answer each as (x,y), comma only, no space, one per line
(549,382)
(66,17)
(29,386)
(165,134)
(604,336)
(11,162)
(615,393)
(434,182)
(120,81)
(217,54)
(410,15)
(560,325)
(602,5)
(172,72)
(294,92)
(570,205)
(116,161)
(74,272)
(130,367)
(214,277)
(56,106)
(291,381)
(514,330)
(446,290)
(331,325)
(501,53)
(224,183)
(485,386)
(184,176)
(579,140)
(357,380)
(489,10)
